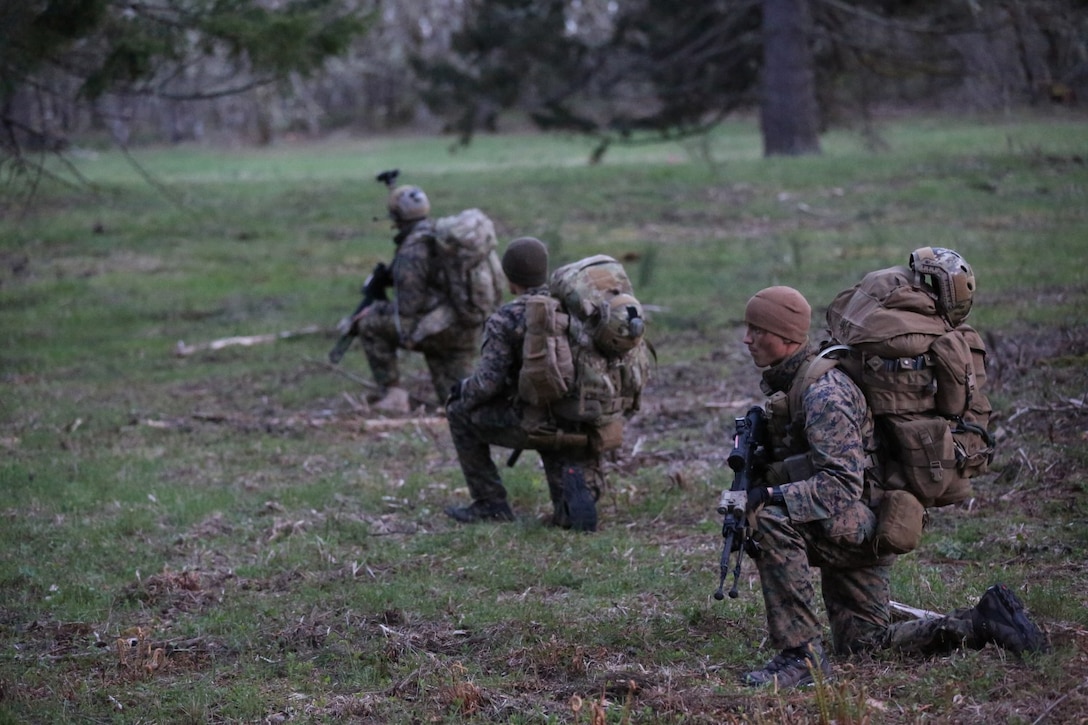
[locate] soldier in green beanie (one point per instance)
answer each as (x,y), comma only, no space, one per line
(484,410)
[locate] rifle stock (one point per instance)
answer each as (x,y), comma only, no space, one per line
(749,443)
(373,290)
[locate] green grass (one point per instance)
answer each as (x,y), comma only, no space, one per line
(290,558)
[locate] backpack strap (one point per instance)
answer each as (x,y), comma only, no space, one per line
(812,372)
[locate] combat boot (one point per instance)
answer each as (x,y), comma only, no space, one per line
(394,399)
(794,667)
(558,517)
(477,511)
(999,617)
(579,508)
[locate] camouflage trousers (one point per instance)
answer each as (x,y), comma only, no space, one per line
(854,583)
(449,356)
(937,635)
(499,424)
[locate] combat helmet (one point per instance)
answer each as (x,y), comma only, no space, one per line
(948,277)
(408,204)
(622,328)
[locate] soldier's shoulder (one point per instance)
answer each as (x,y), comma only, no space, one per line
(512,310)
(835,384)
(508,317)
(415,246)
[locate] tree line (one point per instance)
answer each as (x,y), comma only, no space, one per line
(132,71)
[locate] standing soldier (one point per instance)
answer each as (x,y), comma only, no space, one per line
(425,312)
(815,512)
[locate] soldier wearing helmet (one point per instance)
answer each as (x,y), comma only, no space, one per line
(811,507)
(407,321)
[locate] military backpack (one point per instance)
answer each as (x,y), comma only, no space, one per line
(899,334)
(585,359)
(471,270)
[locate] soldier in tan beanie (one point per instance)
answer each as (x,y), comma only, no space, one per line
(778,320)
(810,509)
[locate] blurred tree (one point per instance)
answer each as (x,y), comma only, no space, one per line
(596,67)
(666,68)
(789,116)
(622,72)
(64,57)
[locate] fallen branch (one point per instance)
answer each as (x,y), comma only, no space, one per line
(183,350)
(1059,701)
(908,612)
(377,425)
(1071,405)
(728,404)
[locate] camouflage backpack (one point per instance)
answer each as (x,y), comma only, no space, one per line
(899,334)
(471,270)
(584,359)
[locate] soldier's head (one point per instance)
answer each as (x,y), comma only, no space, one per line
(778,320)
(408,204)
(525,263)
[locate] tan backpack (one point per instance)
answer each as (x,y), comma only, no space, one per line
(471,269)
(584,359)
(922,373)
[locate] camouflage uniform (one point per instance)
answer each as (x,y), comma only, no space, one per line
(386,326)
(488,413)
(826,522)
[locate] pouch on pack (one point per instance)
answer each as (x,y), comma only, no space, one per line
(585,359)
(923,380)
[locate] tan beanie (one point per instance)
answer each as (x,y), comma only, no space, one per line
(781,310)
(525,262)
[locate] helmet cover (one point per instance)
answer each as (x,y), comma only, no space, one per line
(621,331)
(949,277)
(408,204)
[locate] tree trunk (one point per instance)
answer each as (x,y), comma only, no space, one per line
(789,116)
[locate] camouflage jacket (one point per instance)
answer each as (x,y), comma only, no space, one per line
(496,374)
(834,428)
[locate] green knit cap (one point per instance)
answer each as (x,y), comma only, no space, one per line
(525,262)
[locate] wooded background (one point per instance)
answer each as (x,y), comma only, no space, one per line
(253,71)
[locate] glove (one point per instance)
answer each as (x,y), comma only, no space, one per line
(455,392)
(344,325)
(761,496)
(757,499)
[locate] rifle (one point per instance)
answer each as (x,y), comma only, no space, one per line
(748,453)
(373,289)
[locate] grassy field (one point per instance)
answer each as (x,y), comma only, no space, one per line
(233,535)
